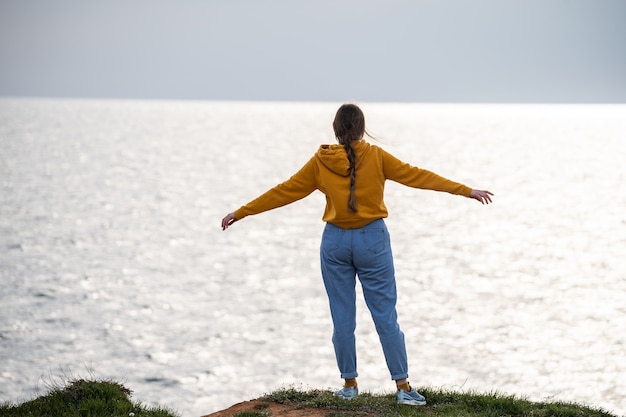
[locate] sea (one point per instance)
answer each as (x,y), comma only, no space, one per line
(113,264)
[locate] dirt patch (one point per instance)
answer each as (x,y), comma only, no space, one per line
(273,409)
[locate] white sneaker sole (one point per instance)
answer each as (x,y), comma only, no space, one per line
(411,402)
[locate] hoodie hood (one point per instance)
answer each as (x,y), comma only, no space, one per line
(335,159)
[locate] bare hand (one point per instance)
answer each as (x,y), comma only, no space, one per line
(228,220)
(483,196)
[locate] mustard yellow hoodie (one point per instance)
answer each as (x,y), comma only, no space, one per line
(328,171)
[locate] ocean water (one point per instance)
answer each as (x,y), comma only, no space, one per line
(113,263)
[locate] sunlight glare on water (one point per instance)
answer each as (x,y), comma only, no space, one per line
(112,261)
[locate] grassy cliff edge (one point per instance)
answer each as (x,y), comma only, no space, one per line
(83,398)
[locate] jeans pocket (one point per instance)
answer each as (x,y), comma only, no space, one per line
(374,240)
(331,240)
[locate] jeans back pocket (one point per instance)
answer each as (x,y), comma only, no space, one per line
(374,240)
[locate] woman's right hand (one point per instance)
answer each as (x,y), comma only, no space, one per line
(228,220)
(483,196)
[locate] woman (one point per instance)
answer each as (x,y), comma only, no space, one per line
(355,241)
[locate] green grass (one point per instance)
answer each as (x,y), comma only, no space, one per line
(439,403)
(81,398)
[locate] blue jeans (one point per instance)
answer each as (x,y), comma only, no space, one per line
(366,253)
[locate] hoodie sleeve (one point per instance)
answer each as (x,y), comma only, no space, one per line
(415,177)
(300,185)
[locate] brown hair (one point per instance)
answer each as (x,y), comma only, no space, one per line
(349,125)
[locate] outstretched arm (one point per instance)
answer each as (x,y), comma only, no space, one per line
(483,196)
(300,185)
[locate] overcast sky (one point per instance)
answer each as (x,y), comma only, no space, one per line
(329,50)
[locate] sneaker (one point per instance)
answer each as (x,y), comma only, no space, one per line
(410,398)
(347,393)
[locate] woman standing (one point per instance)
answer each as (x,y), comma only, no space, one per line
(355,241)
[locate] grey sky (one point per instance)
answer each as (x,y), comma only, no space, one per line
(331,50)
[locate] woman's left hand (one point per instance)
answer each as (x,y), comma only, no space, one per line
(228,220)
(483,196)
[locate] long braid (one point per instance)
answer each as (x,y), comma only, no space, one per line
(352,159)
(349,126)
